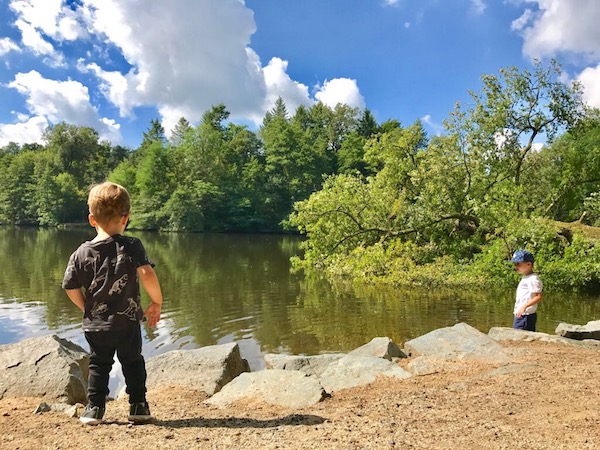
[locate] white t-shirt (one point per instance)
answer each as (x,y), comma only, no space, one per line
(529,285)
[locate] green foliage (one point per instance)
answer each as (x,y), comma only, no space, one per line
(381,203)
(450,210)
(591,204)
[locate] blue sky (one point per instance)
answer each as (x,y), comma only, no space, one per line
(116,64)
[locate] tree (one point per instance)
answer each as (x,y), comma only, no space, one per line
(73,147)
(567,172)
(155,133)
(179,133)
(448,196)
(16,186)
(367,125)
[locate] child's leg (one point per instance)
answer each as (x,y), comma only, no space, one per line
(129,352)
(101,361)
(525,322)
(531,320)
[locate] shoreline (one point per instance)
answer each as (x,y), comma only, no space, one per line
(544,396)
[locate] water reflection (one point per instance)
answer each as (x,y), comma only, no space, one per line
(221,288)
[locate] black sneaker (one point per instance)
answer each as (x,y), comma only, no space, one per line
(92,415)
(139,413)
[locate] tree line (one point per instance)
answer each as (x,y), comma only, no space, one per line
(214,176)
(377,201)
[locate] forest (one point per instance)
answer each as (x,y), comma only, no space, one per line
(516,166)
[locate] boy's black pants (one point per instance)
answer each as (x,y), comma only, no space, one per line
(128,346)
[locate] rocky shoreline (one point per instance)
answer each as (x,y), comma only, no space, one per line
(541,392)
(56,369)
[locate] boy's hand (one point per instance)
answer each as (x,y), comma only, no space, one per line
(521,311)
(152,313)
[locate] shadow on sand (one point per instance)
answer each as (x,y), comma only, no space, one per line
(239,422)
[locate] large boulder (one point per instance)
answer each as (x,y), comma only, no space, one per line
(353,371)
(206,369)
(48,366)
(287,388)
(510,334)
(311,365)
(590,330)
(379,347)
(458,342)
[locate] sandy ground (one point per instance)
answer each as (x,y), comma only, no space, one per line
(550,399)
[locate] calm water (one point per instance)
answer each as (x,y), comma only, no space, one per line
(221,288)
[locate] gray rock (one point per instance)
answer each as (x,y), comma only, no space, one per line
(74,411)
(458,342)
(379,347)
(48,366)
(590,330)
(42,408)
(311,365)
(287,388)
(352,371)
(70,410)
(206,369)
(510,334)
(425,365)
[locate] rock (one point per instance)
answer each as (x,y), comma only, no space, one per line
(425,365)
(311,365)
(48,366)
(288,388)
(70,410)
(352,371)
(511,334)
(379,347)
(458,342)
(74,411)
(590,330)
(42,408)
(206,369)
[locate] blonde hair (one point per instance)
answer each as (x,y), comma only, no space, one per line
(108,201)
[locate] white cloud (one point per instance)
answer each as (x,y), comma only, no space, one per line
(590,80)
(38,20)
(181,57)
(33,40)
(195,58)
(279,84)
(391,2)
(564,27)
(54,18)
(478,6)
(27,130)
(340,90)
(7,46)
(559,26)
(437,128)
(523,21)
(58,101)
(199,56)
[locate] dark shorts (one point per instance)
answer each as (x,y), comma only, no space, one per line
(525,322)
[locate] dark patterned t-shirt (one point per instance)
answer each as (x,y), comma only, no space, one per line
(107,272)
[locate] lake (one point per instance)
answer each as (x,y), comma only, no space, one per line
(220,288)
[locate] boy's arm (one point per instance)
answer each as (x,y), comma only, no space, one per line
(150,282)
(76,296)
(536,297)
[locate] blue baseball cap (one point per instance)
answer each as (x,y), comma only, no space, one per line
(522,255)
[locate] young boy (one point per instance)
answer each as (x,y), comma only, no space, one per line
(102,280)
(529,291)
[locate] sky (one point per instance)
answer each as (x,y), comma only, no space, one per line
(116,64)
